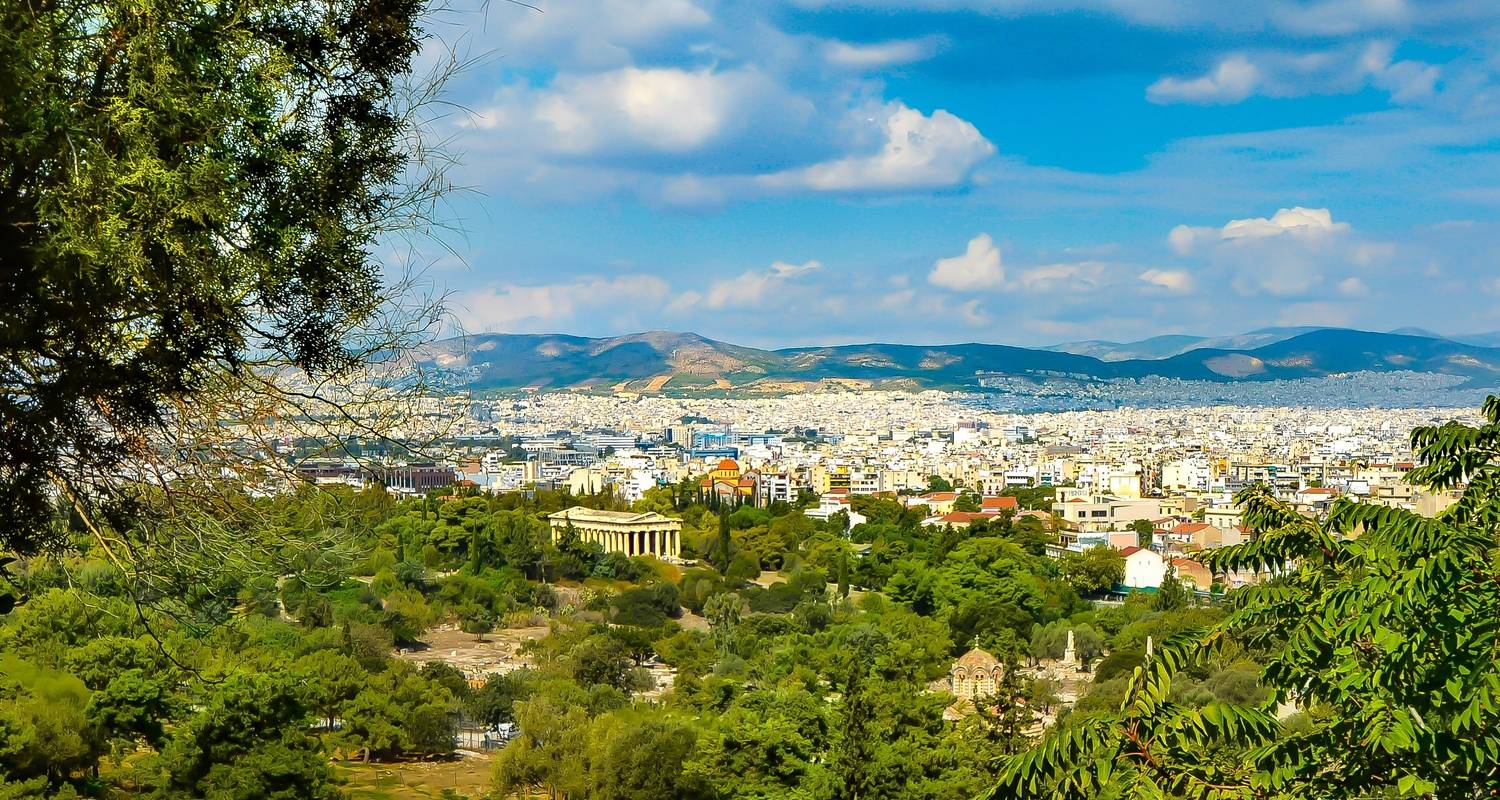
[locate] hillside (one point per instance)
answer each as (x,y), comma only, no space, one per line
(661,359)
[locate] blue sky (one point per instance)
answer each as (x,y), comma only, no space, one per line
(1015,171)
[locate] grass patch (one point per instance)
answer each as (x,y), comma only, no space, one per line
(422,780)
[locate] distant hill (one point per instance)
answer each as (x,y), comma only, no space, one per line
(662,359)
(1176,344)
(1155,347)
(1491,339)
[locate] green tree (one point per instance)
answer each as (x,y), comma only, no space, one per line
(1095,570)
(44,730)
(723,548)
(189,192)
(1172,594)
(1145,532)
(399,713)
(550,754)
(600,659)
(723,612)
(250,740)
(1382,628)
(135,707)
(330,680)
(640,756)
(476,619)
(1008,713)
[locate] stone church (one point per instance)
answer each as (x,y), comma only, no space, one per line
(975,674)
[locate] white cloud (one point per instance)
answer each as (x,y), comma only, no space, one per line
(973,314)
(509,307)
(631,109)
(879,54)
(1082,275)
(703,137)
(1338,17)
(1353,287)
(1284,255)
(587,33)
(1231,81)
(1296,73)
(977,269)
(1295,221)
(1316,18)
(1173,280)
(918,151)
(749,289)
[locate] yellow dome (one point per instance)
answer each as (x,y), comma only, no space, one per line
(977,658)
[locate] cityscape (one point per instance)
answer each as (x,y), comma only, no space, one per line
(782,400)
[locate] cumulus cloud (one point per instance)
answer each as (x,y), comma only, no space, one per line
(1173,280)
(978,269)
(510,307)
(1296,222)
(706,136)
(1285,255)
(918,151)
(1230,82)
(1285,73)
(630,111)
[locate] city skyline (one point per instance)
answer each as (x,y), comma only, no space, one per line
(954,171)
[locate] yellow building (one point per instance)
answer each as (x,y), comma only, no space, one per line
(728,480)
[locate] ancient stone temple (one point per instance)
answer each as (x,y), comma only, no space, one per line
(975,674)
(629,532)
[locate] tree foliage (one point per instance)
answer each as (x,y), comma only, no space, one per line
(1382,627)
(190,192)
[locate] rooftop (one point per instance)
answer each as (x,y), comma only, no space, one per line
(581,514)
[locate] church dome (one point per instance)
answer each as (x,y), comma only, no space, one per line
(977,658)
(729,463)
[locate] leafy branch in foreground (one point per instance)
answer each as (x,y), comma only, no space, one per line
(192,197)
(1382,624)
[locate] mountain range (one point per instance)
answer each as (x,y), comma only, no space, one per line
(658,360)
